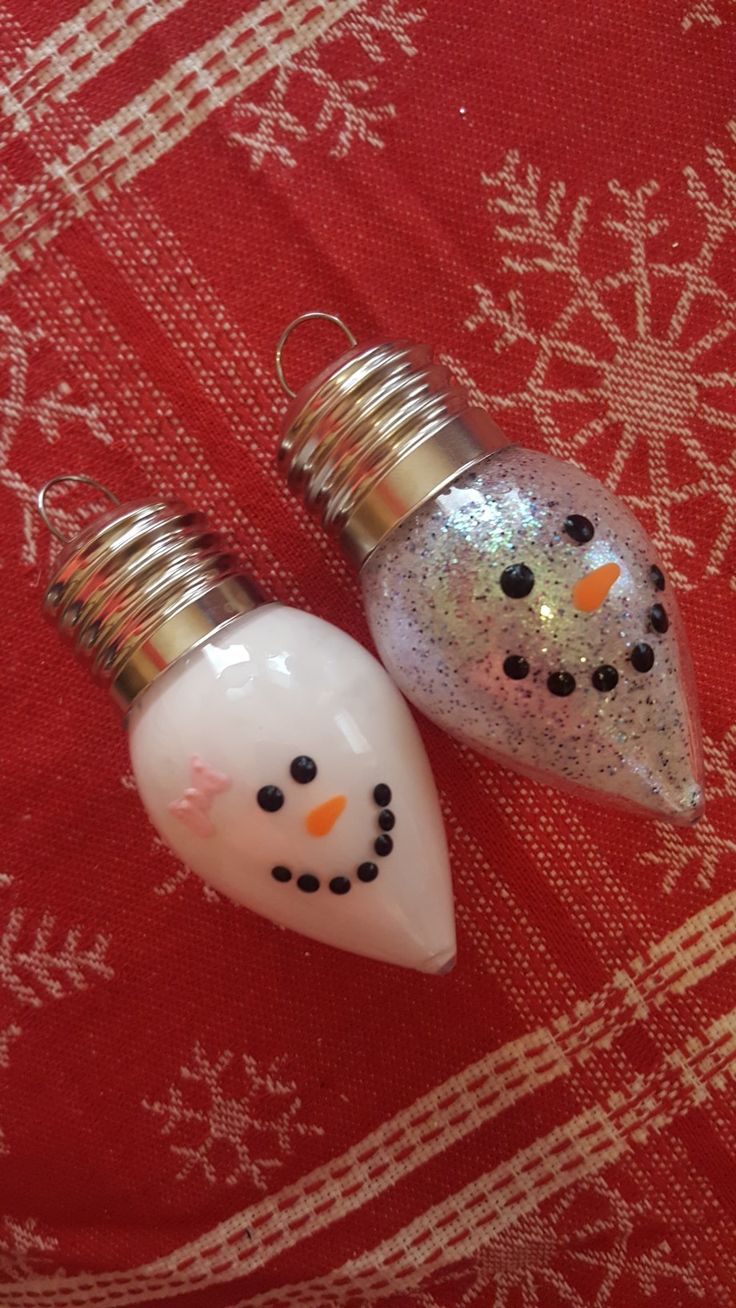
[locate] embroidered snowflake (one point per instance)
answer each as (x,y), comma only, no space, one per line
(231,1119)
(40,963)
(620,362)
(702,850)
(346,107)
(548,1261)
(50,413)
(708,13)
(24,1249)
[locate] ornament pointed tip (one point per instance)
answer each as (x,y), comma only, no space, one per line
(681,807)
(687,809)
(442,963)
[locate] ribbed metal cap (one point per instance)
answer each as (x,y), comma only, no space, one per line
(139,588)
(376,435)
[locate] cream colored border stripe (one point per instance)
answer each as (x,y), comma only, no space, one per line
(74,54)
(161,117)
(448,1113)
(580,1148)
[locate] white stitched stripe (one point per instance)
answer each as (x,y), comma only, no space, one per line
(449,1112)
(581,1147)
(74,53)
(153,122)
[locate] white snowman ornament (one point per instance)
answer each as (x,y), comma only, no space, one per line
(271,751)
(281,763)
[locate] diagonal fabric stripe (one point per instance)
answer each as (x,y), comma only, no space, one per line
(73,54)
(159,118)
(445,1115)
(578,1149)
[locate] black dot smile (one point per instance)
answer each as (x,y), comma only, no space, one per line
(517,581)
(303,770)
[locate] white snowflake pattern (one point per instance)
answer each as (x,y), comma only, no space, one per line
(702,849)
(539,1262)
(42,964)
(37,965)
(51,413)
(347,108)
(238,1121)
(605,377)
(24,1248)
(706,13)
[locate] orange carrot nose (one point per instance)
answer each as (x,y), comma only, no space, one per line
(322,819)
(590,591)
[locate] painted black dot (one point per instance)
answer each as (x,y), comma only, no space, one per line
(383,845)
(270,798)
(281,874)
(605,677)
(109,656)
(303,769)
(578,528)
(642,657)
(367,872)
(658,618)
(339,885)
(657,576)
(54,593)
(308,883)
(382,795)
(73,613)
(516,667)
(561,683)
(386,820)
(517,580)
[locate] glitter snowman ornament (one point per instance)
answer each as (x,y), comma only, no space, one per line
(513,598)
(271,751)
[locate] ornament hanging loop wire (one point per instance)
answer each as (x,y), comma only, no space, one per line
(80,478)
(286,333)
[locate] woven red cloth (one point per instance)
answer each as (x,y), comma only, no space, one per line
(195,1106)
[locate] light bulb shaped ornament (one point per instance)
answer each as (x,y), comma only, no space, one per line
(271,751)
(513,598)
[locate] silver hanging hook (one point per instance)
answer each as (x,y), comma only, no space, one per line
(56,481)
(286,333)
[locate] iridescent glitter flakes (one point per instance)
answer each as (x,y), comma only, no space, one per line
(512,598)
(521,611)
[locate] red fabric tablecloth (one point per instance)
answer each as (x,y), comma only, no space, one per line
(194,1105)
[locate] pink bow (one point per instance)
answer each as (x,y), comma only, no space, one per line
(193,807)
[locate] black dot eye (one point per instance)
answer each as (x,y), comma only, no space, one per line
(658,618)
(605,677)
(270,798)
(367,872)
(561,683)
(516,667)
(578,528)
(383,845)
(281,874)
(656,575)
(517,580)
(642,657)
(308,883)
(303,769)
(339,885)
(382,795)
